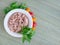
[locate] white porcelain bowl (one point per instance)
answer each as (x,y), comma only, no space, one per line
(6,21)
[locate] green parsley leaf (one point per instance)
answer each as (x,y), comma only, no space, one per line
(27,34)
(15,5)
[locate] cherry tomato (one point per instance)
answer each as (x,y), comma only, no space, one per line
(34,19)
(31,13)
(28,9)
(33,28)
(34,24)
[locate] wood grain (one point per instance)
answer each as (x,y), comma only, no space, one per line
(48,20)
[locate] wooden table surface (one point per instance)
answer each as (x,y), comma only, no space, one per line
(48,20)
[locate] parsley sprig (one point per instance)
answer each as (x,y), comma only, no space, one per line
(27,34)
(14,5)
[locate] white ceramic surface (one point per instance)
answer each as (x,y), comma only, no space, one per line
(7,17)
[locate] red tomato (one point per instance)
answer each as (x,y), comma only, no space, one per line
(31,13)
(34,24)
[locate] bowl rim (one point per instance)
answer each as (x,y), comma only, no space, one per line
(7,18)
